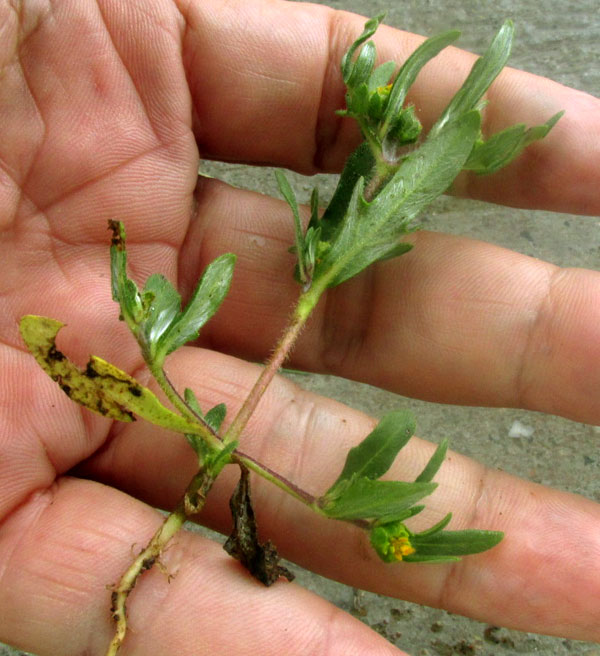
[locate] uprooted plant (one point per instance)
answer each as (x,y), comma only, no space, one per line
(383,187)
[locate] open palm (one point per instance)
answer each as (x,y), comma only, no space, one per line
(104,109)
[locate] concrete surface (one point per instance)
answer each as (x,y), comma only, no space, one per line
(558,40)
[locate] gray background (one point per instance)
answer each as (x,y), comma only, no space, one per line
(558,40)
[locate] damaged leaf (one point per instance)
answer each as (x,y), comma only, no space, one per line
(100,387)
(261,560)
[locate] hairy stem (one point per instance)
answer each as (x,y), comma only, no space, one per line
(306,303)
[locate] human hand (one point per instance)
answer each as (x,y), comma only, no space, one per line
(113,133)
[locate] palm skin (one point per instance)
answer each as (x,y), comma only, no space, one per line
(105,106)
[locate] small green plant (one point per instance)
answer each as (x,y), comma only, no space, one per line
(385,184)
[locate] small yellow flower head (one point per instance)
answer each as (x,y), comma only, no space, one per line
(392,541)
(401,547)
(384,91)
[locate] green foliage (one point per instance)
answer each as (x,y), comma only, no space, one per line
(394,542)
(373,231)
(382,501)
(505,146)
(383,506)
(384,186)
(376,453)
(432,467)
(154,316)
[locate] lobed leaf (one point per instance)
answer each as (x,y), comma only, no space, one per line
(155,317)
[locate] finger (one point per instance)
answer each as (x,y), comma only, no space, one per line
(454,320)
(63,549)
(540,578)
(268,95)
(76,129)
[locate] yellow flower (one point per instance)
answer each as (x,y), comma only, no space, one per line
(401,547)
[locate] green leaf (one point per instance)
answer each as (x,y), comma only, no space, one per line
(200,446)
(373,231)
(405,129)
(358,101)
(376,453)
(100,387)
(288,193)
(483,73)
(454,543)
(359,165)
(505,146)
(408,74)
(192,401)
(434,463)
(215,416)
(363,66)
(154,317)
(314,205)
(380,77)
(370,28)
(432,560)
(436,528)
(124,290)
(394,542)
(163,305)
(205,301)
(363,498)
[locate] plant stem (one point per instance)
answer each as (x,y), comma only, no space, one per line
(305,305)
(165,384)
(277,479)
(192,502)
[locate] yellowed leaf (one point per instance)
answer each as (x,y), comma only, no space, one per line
(100,387)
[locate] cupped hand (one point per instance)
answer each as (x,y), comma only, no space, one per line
(105,108)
